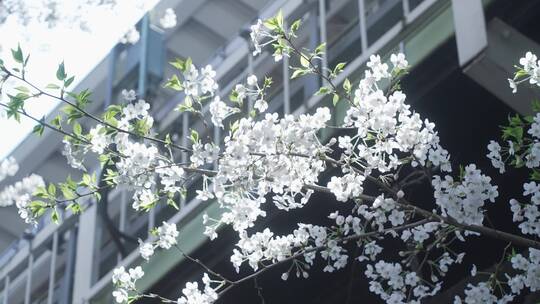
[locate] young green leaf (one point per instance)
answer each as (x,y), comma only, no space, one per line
(335,99)
(304,61)
(61,72)
(347,85)
(17,54)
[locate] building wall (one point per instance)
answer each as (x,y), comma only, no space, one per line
(84,251)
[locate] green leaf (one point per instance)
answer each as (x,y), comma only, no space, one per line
(38,129)
(183,192)
(86,180)
(304,61)
(298,73)
(26,60)
(347,85)
(37,208)
(517,162)
(52,86)
(17,54)
(184,108)
(52,190)
(57,121)
(16,105)
(187,64)
(188,101)
(267,81)
(71,183)
(520,73)
(173,204)
(82,98)
(178,63)
(67,192)
(271,24)
(111,112)
(40,192)
(233,96)
(194,136)
(296,25)
(103,159)
(335,99)
(77,129)
(61,72)
(320,48)
(535,175)
(113,121)
(515,120)
(323,91)
(234,126)
(68,81)
(22,89)
(74,207)
(279,19)
(168,140)
(339,67)
(536,105)
(55,216)
(174,83)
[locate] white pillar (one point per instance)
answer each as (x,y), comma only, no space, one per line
(85,265)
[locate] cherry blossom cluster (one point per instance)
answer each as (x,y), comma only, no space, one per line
(198,82)
(528,272)
(384,210)
(388,133)
(132,36)
(273,155)
(525,274)
(265,247)
(495,156)
(346,187)
(8,167)
(527,214)
(395,285)
(529,70)
(464,200)
(219,110)
(74,154)
(138,160)
(168,20)
(419,234)
(396,282)
(19,193)
(124,282)
(261,35)
(481,293)
(167,235)
(192,294)
(520,150)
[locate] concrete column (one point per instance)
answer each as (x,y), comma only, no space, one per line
(85,264)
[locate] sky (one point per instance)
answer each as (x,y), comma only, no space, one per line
(80,50)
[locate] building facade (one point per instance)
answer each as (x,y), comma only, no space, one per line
(462,52)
